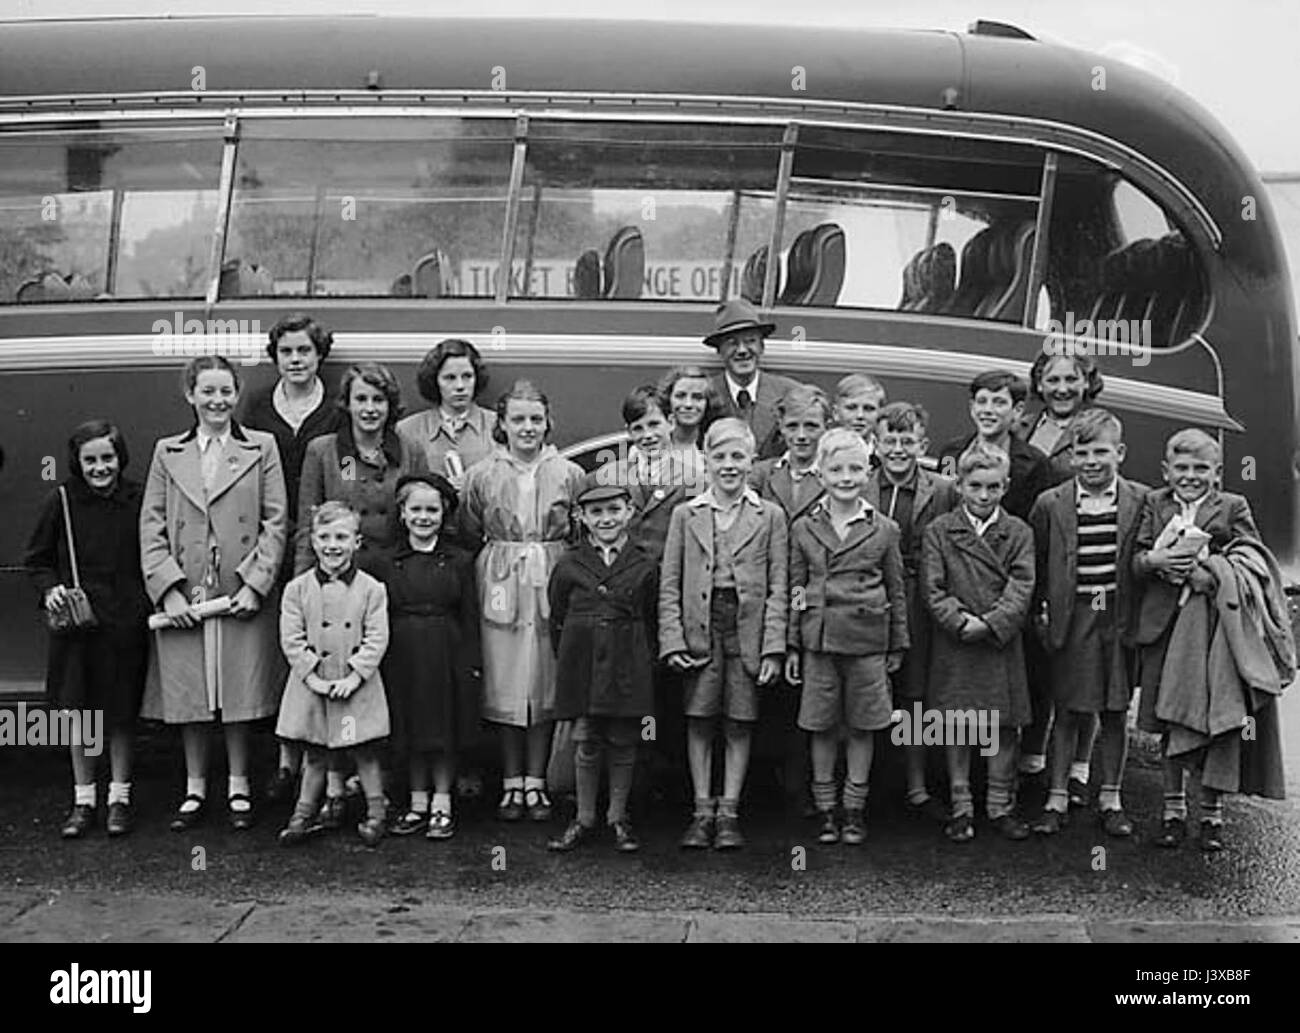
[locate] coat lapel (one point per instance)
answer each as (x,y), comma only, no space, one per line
(977,547)
(184,464)
(782,485)
(700,524)
(1210,508)
(748,523)
(239,457)
(1066,528)
(1126,511)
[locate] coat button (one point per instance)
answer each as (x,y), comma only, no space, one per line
(602,590)
(347,624)
(324,654)
(324,624)
(243,539)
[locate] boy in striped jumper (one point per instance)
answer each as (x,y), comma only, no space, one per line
(1084,534)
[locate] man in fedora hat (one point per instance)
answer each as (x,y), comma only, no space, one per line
(744,391)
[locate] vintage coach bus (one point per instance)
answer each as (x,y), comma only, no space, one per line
(578,197)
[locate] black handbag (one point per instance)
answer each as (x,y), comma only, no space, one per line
(76,613)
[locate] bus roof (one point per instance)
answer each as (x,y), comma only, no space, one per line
(989,72)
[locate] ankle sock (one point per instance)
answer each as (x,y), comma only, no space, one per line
(1175,806)
(194,787)
(1212,808)
(1108,799)
(855,795)
(704,807)
(513,782)
(420,801)
(376,807)
(728,807)
(823,794)
(119,792)
(1057,800)
(84,795)
(1080,770)
(533,782)
(918,797)
(963,803)
(1032,763)
(441,802)
(238,786)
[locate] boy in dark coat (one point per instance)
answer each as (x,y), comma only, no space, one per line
(977,573)
(603,594)
(912,497)
(1084,532)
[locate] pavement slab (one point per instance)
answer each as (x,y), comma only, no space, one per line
(713,928)
(375,921)
(573,927)
(1038,929)
(119,918)
(1195,932)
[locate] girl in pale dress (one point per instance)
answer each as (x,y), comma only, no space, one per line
(517,502)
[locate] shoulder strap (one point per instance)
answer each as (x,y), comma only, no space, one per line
(72,543)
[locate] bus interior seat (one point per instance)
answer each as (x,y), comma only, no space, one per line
(1010,259)
(1151,280)
(929,279)
(753,275)
(973,283)
(431,277)
(586,275)
(241,279)
(54,286)
(625,264)
(815,267)
(401,287)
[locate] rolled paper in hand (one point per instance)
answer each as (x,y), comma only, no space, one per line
(217,607)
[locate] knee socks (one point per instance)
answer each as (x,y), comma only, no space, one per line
(622,765)
(586,769)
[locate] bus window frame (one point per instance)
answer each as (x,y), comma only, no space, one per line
(1179,201)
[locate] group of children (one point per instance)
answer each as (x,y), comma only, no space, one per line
(697,581)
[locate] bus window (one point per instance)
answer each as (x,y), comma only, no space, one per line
(643,210)
(1118,263)
(917,224)
(369,207)
(108,214)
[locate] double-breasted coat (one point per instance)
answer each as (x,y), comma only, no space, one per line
(602,625)
(846,594)
(992,577)
(226,664)
(761,556)
(333,626)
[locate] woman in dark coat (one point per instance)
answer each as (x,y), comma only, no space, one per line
(294,410)
(103,668)
(432,650)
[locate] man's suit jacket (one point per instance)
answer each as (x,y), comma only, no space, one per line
(761,558)
(762,414)
(1223,514)
(1055,523)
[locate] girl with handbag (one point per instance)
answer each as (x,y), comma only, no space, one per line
(84,557)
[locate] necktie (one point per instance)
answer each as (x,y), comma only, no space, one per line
(210,464)
(744,402)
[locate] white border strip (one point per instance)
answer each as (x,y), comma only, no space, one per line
(145,351)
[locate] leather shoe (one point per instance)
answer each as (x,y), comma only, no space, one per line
(1172,833)
(1011,827)
(728,835)
(1212,836)
(1050,822)
(241,821)
(625,841)
(371,831)
(120,819)
(1115,823)
(1077,792)
(186,820)
(574,836)
(80,819)
(698,834)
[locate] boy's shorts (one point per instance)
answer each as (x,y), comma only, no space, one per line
(612,731)
(842,691)
(724,686)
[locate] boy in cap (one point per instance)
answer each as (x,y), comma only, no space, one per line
(746,393)
(722,621)
(603,598)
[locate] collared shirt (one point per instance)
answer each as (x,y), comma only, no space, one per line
(609,553)
(210,456)
(204,437)
(346,575)
(432,547)
(982,525)
(724,515)
(796,474)
(1188,510)
(295,413)
(1096,502)
(734,389)
(863,513)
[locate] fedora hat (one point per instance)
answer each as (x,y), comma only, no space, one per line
(734,316)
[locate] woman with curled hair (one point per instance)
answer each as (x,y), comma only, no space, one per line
(359,464)
(456,432)
(1065,383)
(100,668)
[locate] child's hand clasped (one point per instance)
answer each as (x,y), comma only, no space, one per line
(893,663)
(769,670)
(345,687)
(792,673)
